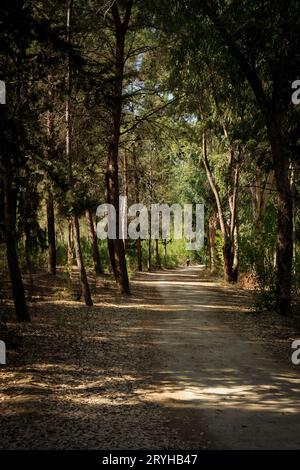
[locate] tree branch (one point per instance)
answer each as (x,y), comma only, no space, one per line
(148,115)
(249,72)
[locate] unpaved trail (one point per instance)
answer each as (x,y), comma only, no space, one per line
(172,366)
(213,379)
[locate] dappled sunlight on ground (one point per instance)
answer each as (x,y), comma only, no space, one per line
(162,368)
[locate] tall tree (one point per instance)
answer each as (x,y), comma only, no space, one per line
(273,102)
(75,222)
(116,247)
(50,199)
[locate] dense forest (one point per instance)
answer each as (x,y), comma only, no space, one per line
(160,101)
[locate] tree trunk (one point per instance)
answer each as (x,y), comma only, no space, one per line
(284,248)
(116,247)
(28,257)
(149,254)
(11,249)
(235,263)
(228,260)
(139,254)
(51,235)
(270,109)
(70,246)
(125,174)
(50,203)
(111,252)
(137,200)
(227,232)
(93,242)
(121,267)
(85,288)
(125,185)
(212,242)
(75,223)
(233,204)
(293,189)
(157,258)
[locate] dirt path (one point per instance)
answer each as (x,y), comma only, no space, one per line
(218,380)
(177,365)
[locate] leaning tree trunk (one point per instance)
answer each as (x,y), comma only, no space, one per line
(233,204)
(11,249)
(227,232)
(212,242)
(93,242)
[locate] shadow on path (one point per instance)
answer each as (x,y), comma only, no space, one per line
(217,380)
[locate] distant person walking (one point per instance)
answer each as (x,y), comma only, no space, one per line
(187,262)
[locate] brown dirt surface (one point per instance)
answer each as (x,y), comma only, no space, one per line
(181,363)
